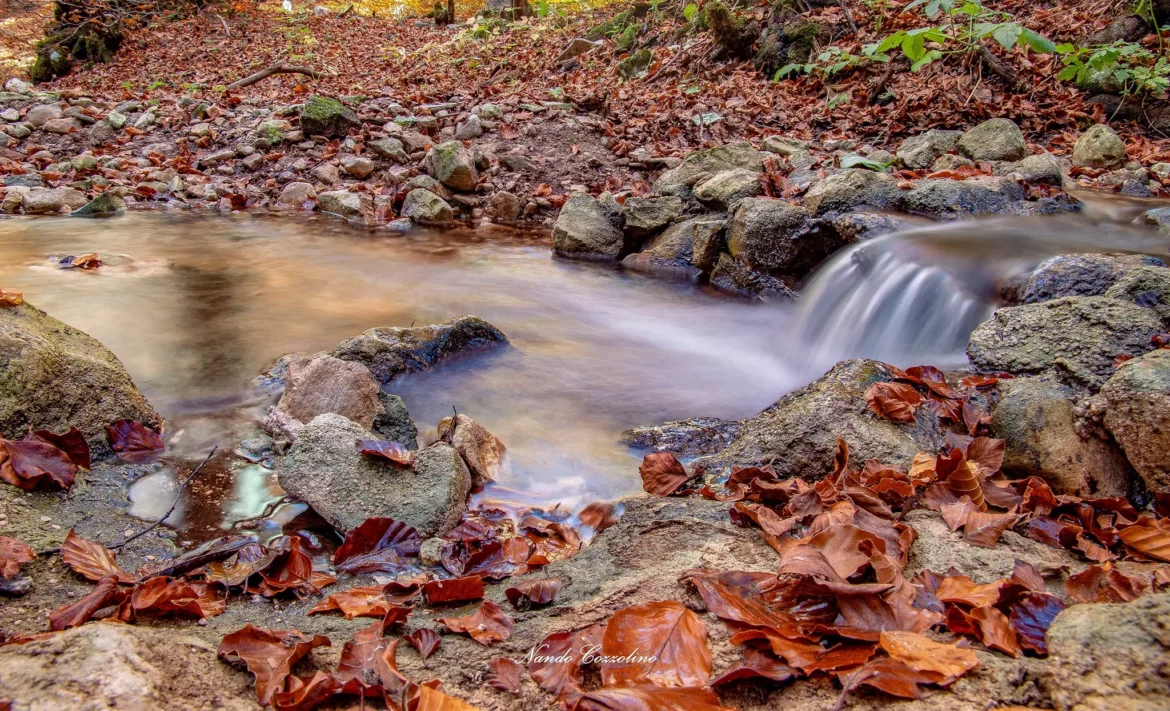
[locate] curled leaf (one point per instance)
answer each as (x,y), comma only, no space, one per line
(506,675)
(268,654)
(390,451)
(487,625)
(662,474)
(134,442)
(438,592)
(541,591)
(14,554)
(92,560)
(893,401)
(30,464)
(425,640)
(72,443)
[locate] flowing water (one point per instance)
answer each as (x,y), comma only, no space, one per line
(196,306)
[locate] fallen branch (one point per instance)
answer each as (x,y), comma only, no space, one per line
(275,69)
(223,22)
(996,65)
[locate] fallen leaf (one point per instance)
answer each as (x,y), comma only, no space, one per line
(650,698)
(986,454)
(995,630)
(925,655)
(304,694)
(757,663)
(661,643)
(1104,583)
(72,443)
(72,614)
(425,640)
(163,596)
(599,516)
(438,592)
(506,675)
(268,654)
(662,474)
(434,700)
(487,625)
(965,481)
(92,560)
(377,545)
(1031,617)
(30,464)
(369,665)
(529,592)
(893,401)
(11,297)
(1148,539)
(892,676)
(984,529)
(14,554)
(368,601)
(390,451)
(134,442)
(556,662)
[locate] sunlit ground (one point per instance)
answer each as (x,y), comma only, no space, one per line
(22,25)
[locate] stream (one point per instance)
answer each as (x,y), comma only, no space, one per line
(196,306)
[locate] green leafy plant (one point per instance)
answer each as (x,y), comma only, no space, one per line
(1128,66)
(833,60)
(690,11)
(853,160)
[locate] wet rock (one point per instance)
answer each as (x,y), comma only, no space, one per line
(359,167)
(1159,217)
(452,165)
(295,195)
(1084,333)
(669,254)
(40,202)
(952,162)
(921,151)
(706,163)
(1035,417)
(39,115)
(394,423)
(107,665)
(325,470)
(1110,656)
(1082,274)
(798,434)
(390,352)
(774,236)
(708,241)
(1147,286)
(948,199)
(504,207)
(390,148)
(645,216)
(55,377)
(322,116)
(104,204)
(1099,147)
(426,208)
(1040,168)
(317,385)
(584,229)
(341,203)
(722,190)
(938,549)
(1137,401)
(995,139)
(860,226)
(851,189)
(481,450)
(737,277)
(684,438)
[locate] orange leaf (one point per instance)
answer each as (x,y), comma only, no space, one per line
(662,643)
(487,625)
(92,560)
(662,474)
(893,401)
(1148,539)
(269,655)
(922,654)
(13,554)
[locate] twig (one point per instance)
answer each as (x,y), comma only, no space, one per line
(996,65)
(275,69)
(223,22)
(848,16)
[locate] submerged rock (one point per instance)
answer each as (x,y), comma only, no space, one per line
(798,434)
(321,384)
(390,352)
(1137,401)
(325,470)
(1035,417)
(1110,656)
(54,377)
(685,438)
(1085,333)
(1082,274)
(584,229)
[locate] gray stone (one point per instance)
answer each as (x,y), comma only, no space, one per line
(105,204)
(851,189)
(295,195)
(217,158)
(415,141)
(253,162)
(320,384)
(723,190)
(504,207)
(55,377)
(1158,217)
(426,182)
(1099,147)
(327,173)
(669,254)
(737,277)
(325,470)
(921,151)
(1137,402)
(489,111)
(19,131)
(394,423)
(322,116)
(785,146)
(481,450)
(424,207)
(18,86)
(774,236)
(576,48)
(1147,286)
(390,352)
(1082,274)
(1110,657)
(1040,168)
(62,125)
(995,139)
(452,165)
(798,434)
(469,129)
(951,162)
(684,438)
(949,199)
(39,115)
(705,163)
(583,229)
(389,148)
(359,167)
(27,180)
(1085,333)
(341,203)
(1036,419)
(860,226)
(645,216)
(636,65)
(709,240)
(40,202)
(116,119)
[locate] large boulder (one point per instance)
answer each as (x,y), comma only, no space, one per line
(1110,657)
(921,151)
(452,165)
(390,352)
(1036,419)
(854,188)
(1137,402)
(322,116)
(774,236)
(798,434)
(1147,286)
(54,377)
(108,665)
(325,470)
(1082,274)
(1099,147)
(704,164)
(584,229)
(321,384)
(1085,333)
(995,139)
(949,199)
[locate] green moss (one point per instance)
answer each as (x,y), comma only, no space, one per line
(321,108)
(613,26)
(627,39)
(802,37)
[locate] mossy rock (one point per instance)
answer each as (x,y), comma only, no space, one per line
(636,65)
(323,116)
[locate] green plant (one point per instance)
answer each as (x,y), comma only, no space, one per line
(833,60)
(1130,67)
(853,160)
(157,84)
(878,7)
(690,11)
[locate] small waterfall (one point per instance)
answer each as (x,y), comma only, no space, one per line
(914,296)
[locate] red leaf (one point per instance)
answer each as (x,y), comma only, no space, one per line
(133,441)
(14,554)
(757,663)
(368,601)
(1148,539)
(893,401)
(377,546)
(72,443)
(556,662)
(390,451)
(164,596)
(922,654)
(30,464)
(986,454)
(438,592)
(487,625)
(506,675)
(984,529)
(662,474)
(661,643)
(92,560)
(425,640)
(304,694)
(11,297)
(649,698)
(1031,617)
(268,654)
(368,664)
(1104,583)
(599,516)
(529,592)
(72,614)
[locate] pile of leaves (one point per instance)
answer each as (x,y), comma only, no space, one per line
(46,460)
